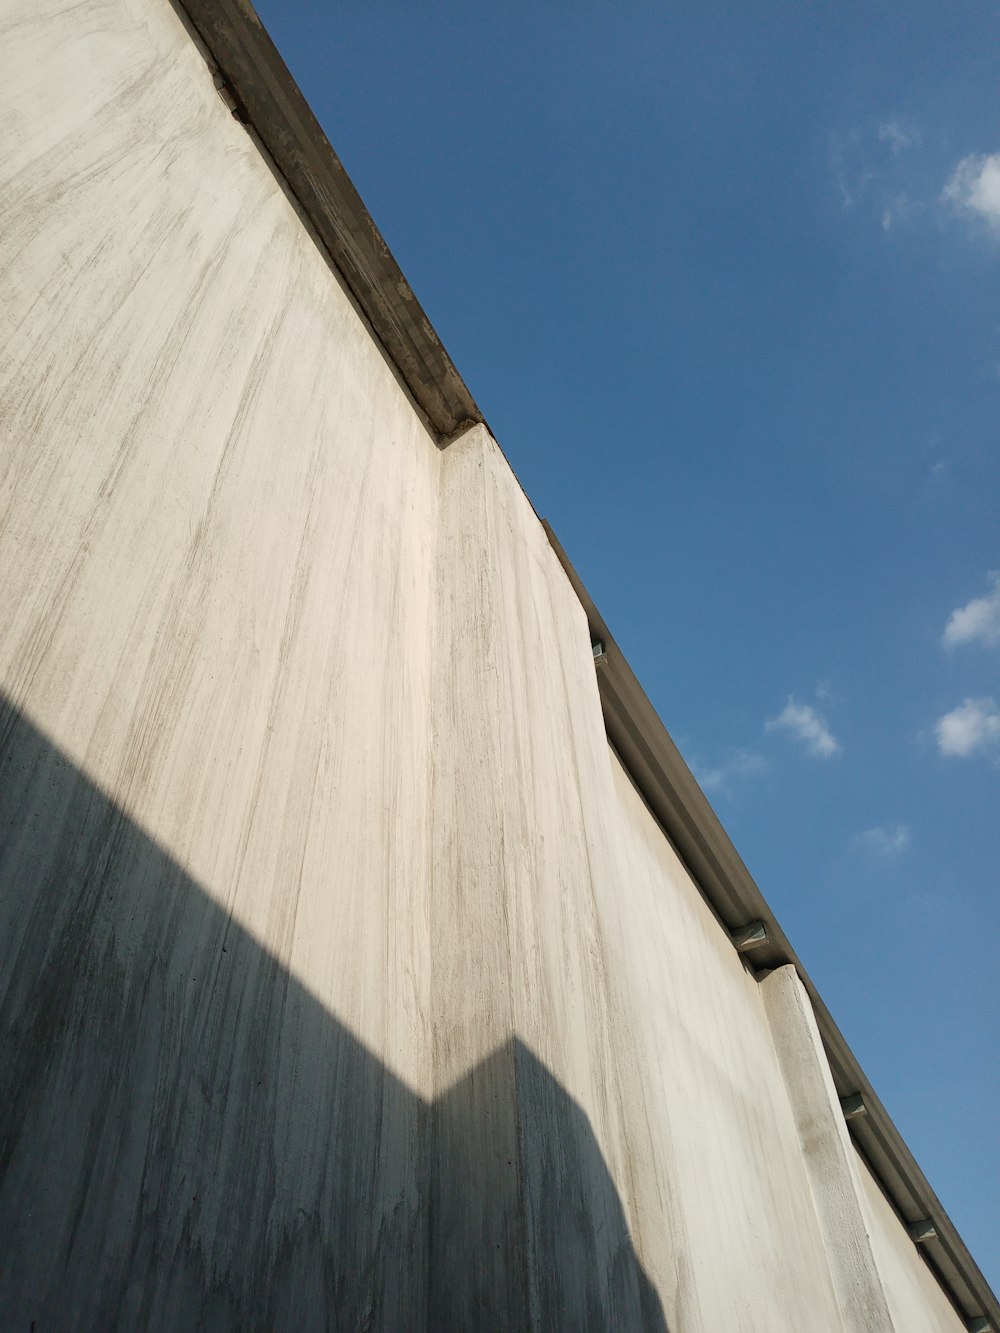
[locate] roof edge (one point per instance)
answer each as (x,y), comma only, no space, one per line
(672,793)
(261,93)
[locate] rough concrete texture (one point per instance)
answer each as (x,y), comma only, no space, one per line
(724,1203)
(345,980)
(217,519)
(916,1301)
(828,1152)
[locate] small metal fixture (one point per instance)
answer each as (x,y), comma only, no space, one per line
(600,656)
(233,103)
(853,1106)
(750,936)
(922,1231)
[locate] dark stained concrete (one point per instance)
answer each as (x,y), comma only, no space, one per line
(189,1140)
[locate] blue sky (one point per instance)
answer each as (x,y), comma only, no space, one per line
(724,281)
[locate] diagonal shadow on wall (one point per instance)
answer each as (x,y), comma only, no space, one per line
(189,1140)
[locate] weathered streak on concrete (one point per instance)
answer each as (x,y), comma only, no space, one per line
(829,1154)
(188,1138)
(270,101)
(217,515)
(218,511)
(516,948)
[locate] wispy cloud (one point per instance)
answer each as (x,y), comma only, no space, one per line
(899,134)
(874,169)
(897,209)
(971,728)
(849,165)
(741,766)
(974,188)
(978,620)
(804,723)
(884,843)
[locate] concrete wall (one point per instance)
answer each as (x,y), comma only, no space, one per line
(743,1247)
(217,526)
(914,1295)
(345,979)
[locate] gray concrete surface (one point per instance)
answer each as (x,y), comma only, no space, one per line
(346,981)
(915,1298)
(827,1150)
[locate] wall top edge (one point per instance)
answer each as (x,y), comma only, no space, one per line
(672,793)
(261,93)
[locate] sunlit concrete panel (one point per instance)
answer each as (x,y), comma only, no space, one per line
(828,1152)
(517,958)
(218,507)
(725,1215)
(217,529)
(915,1297)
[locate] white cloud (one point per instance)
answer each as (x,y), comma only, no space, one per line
(898,134)
(974,187)
(839,147)
(741,765)
(806,725)
(898,208)
(885,843)
(874,170)
(977,620)
(972,727)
